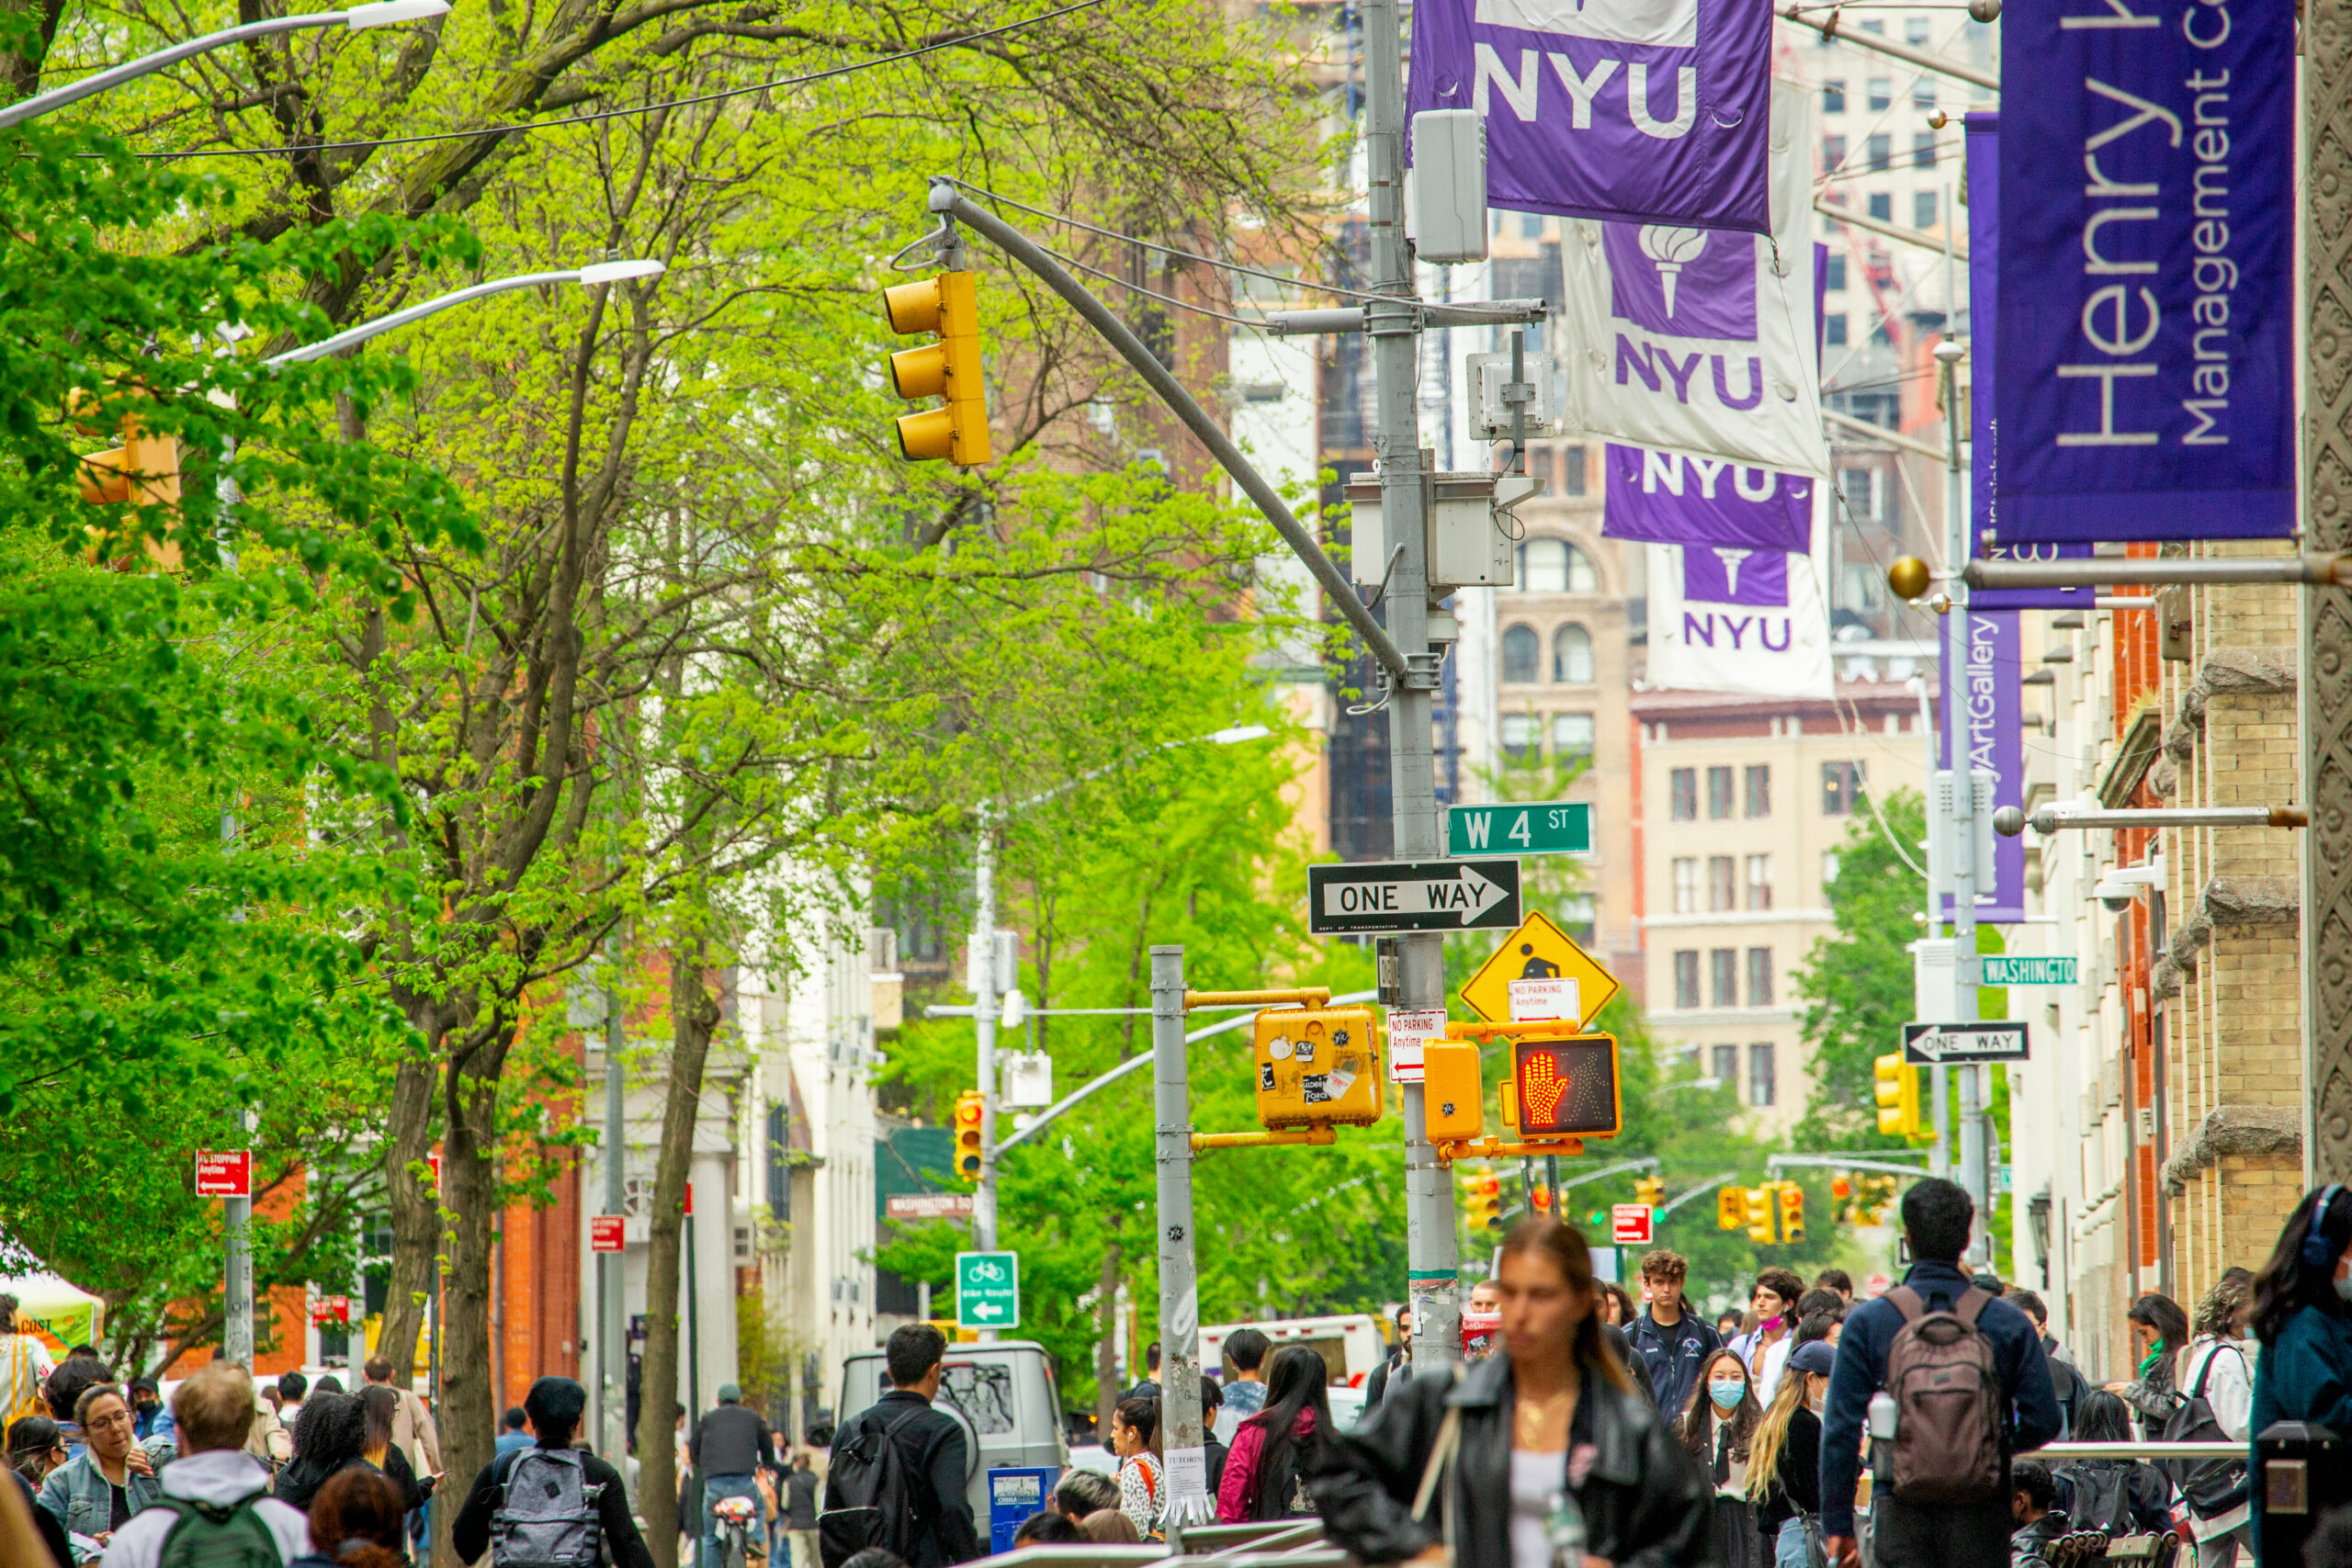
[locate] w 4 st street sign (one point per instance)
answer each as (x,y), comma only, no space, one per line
(1546,827)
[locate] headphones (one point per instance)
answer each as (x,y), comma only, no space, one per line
(2318,1251)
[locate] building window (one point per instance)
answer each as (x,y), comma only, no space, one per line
(1881,203)
(1686,884)
(1759,976)
(1833,154)
(1923,209)
(1759,882)
(1572,656)
(1572,466)
(1762,1081)
(1859,488)
(1724,963)
(1882,93)
(1522,736)
(1828,867)
(1833,97)
(1683,786)
(1833,274)
(1728,1067)
(1718,793)
(1522,652)
(1722,892)
(1923,92)
(1556,566)
(1840,783)
(1923,152)
(1758,780)
(1531,225)
(1539,468)
(1833,330)
(1686,978)
(1572,735)
(1881,153)
(1915,30)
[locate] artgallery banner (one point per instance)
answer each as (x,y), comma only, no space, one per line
(2146,311)
(1645,111)
(1697,342)
(1729,618)
(1993,735)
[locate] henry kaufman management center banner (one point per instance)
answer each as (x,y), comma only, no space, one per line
(1730,618)
(1992,731)
(1698,342)
(2146,297)
(1651,111)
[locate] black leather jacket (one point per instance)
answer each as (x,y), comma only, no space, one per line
(1645,1501)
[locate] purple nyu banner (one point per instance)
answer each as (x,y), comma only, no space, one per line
(2145,310)
(1985,435)
(1636,111)
(1993,737)
(1665,498)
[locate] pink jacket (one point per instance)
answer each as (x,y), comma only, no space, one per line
(1236,1495)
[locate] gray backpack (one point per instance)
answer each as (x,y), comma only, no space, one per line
(1947,1393)
(547,1516)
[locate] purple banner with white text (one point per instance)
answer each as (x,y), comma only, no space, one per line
(1664,498)
(1636,111)
(1993,733)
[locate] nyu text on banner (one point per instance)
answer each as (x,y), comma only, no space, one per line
(1664,498)
(1728,619)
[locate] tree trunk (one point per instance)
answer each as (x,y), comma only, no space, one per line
(1106,1351)
(694,1018)
(470,1177)
(415,1212)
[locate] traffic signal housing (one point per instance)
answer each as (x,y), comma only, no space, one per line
(145,470)
(1650,1190)
(1898,1089)
(1730,1207)
(1317,1067)
(1792,1200)
(1451,1089)
(948,305)
(1758,1204)
(1564,1088)
(1482,1200)
(967,1134)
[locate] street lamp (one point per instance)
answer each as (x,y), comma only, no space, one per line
(587,278)
(360,19)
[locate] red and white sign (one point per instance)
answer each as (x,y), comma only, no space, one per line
(435,1159)
(330,1309)
(1409,1031)
(1629,1225)
(690,1198)
(1537,1000)
(224,1173)
(608,1233)
(928,1206)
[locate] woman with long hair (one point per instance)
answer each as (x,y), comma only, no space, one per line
(330,1435)
(357,1520)
(1785,1456)
(2121,1497)
(1134,1439)
(2159,1329)
(2216,1367)
(36,1446)
(381,1405)
(1543,1453)
(2302,1320)
(1275,1451)
(1719,1430)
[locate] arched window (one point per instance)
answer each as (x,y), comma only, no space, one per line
(1555,566)
(1522,655)
(1572,656)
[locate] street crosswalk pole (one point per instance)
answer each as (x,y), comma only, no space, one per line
(1180,1291)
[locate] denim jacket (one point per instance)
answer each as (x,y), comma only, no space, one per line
(78,1494)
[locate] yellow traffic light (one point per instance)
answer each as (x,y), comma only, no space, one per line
(1482,1200)
(144,471)
(948,305)
(1760,1215)
(1791,1212)
(1564,1087)
(1730,1207)
(1451,1089)
(1650,1190)
(1317,1067)
(967,1134)
(1898,1089)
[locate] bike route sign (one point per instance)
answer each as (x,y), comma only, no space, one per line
(988,1290)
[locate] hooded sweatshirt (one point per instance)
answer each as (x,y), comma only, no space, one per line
(1238,1495)
(218,1477)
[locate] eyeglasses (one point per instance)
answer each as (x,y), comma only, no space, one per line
(119,1418)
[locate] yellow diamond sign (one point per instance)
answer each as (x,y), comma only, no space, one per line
(1539,972)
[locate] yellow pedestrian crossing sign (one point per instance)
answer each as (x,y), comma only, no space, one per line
(1539,972)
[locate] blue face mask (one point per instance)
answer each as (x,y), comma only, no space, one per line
(1726,1392)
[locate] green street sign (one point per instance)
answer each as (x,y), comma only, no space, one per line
(1542,828)
(2025,971)
(988,1290)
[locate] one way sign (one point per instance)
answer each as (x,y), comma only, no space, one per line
(1414,896)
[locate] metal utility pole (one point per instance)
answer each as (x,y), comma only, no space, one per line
(612,1308)
(1394,321)
(2321,691)
(980,971)
(237,1293)
(1969,1125)
(1180,1291)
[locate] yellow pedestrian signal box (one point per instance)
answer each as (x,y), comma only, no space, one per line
(1564,1088)
(1317,1067)
(1791,1199)
(1898,1089)
(948,305)
(1650,1190)
(1482,1200)
(1730,1207)
(1452,1090)
(967,1134)
(1760,1215)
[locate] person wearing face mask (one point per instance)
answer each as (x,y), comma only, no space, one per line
(2302,1320)
(1784,1459)
(1771,1306)
(1719,1430)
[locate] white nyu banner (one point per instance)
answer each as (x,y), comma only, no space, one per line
(1727,619)
(1701,341)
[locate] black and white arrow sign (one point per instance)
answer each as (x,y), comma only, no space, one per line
(1931,1044)
(1418,895)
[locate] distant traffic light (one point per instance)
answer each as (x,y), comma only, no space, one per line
(1539,1197)
(144,471)
(1482,1200)
(1452,1091)
(1730,1207)
(1791,1198)
(948,305)
(1841,1187)
(1758,1201)
(967,1134)
(1650,1190)
(1898,1089)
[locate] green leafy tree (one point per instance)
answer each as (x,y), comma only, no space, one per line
(1857,983)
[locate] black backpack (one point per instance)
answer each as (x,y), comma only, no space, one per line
(2101,1496)
(870,1493)
(2213,1486)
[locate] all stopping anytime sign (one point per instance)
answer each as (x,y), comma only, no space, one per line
(224,1173)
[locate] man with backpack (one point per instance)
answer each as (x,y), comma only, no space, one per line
(215,1510)
(1953,1382)
(550,1505)
(896,1477)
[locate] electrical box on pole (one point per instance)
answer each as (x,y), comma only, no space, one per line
(1317,1067)
(1464,535)
(1445,186)
(1453,1091)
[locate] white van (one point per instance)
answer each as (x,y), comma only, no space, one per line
(1001,1395)
(1350,1343)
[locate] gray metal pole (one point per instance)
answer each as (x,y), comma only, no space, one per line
(1180,1291)
(612,1307)
(1965,967)
(237,1293)
(1433,1259)
(1938,876)
(982,966)
(1972,1161)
